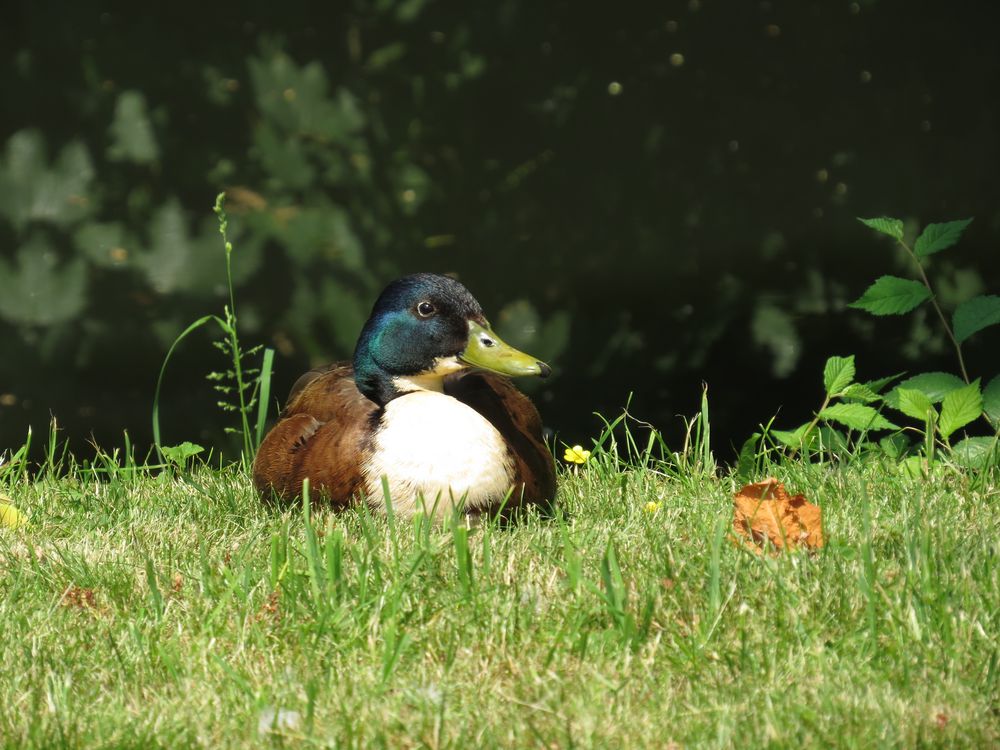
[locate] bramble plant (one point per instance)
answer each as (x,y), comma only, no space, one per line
(857,406)
(242,388)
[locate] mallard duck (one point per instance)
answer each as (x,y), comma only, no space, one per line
(424,406)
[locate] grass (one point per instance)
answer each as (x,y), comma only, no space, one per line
(175,610)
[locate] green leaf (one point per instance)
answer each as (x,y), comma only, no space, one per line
(36,290)
(914,403)
(104,244)
(385,56)
(32,192)
(408,10)
(934,385)
(131,131)
(296,103)
(774,329)
(285,159)
(894,446)
(937,237)
(975,315)
(885,225)
(747,463)
(991,399)
(324,232)
(791,438)
(860,392)
(179,454)
(167,264)
(878,385)
(838,373)
(857,417)
(960,407)
(891,295)
(521,324)
(976,452)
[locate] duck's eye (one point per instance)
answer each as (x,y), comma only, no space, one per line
(425,309)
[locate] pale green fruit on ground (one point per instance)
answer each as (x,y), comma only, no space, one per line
(11,517)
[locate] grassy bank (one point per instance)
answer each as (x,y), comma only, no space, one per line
(177,611)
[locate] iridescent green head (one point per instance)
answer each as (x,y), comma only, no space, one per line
(424,327)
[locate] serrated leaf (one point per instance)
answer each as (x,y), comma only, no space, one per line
(934,385)
(880,383)
(838,373)
(975,314)
(860,392)
(960,407)
(914,403)
(791,438)
(885,225)
(991,399)
(857,417)
(937,237)
(891,295)
(976,452)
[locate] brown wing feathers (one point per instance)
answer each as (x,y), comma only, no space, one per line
(323,434)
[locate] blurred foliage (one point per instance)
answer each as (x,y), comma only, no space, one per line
(645,196)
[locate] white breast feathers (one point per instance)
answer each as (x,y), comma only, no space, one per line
(437,454)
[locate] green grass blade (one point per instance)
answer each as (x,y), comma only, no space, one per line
(264,394)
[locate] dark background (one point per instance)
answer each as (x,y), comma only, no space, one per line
(647,194)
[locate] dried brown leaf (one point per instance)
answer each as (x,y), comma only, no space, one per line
(764,513)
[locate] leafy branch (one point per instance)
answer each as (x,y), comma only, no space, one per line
(852,409)
(962,400)
(891,295)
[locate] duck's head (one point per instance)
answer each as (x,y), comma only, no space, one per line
(424,327)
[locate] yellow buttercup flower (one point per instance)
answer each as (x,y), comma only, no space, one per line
(10,516)
(576,455)
(652,507)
